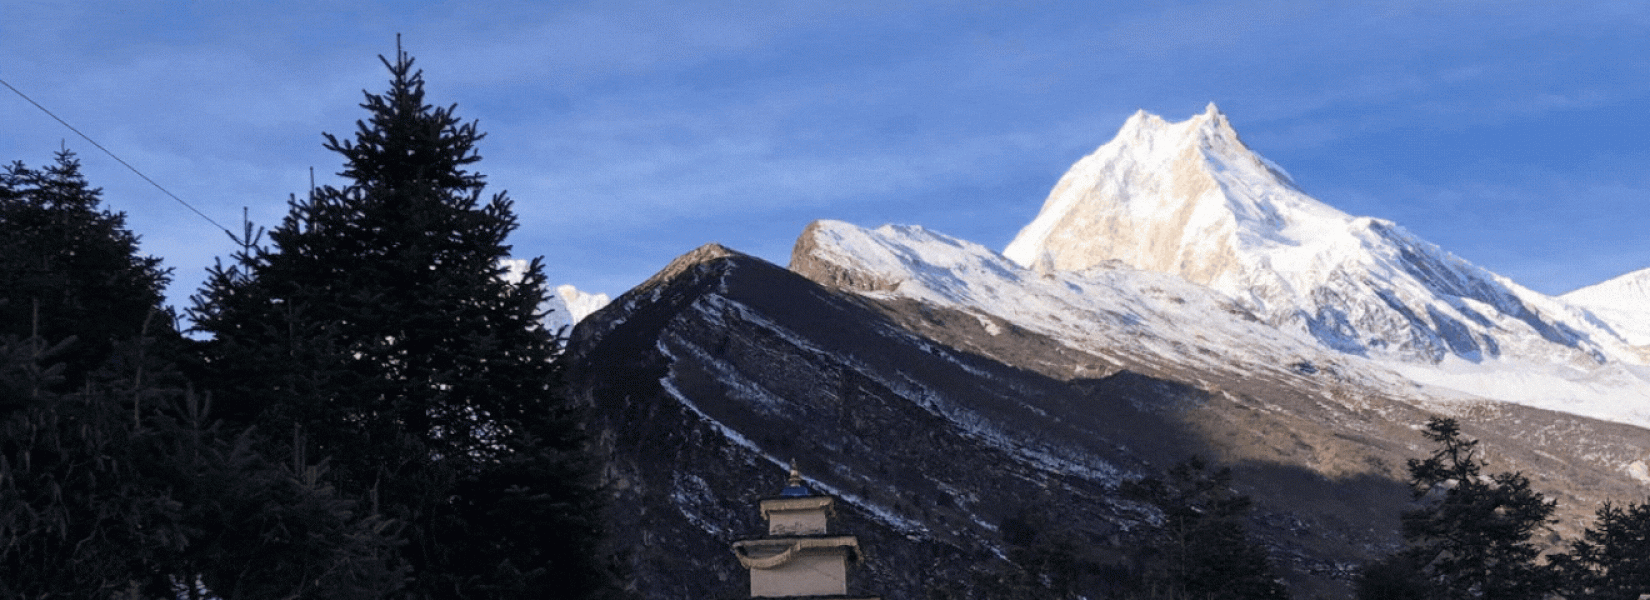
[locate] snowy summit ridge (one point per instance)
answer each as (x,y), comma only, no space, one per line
(1191,199)
(1175,244)
(1623,301)
(1154,198)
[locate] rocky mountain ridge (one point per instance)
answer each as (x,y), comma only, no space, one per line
(932,426)
(937,387)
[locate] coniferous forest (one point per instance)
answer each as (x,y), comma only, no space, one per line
(361,406)
(366,409)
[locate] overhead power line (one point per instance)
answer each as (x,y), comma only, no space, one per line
(93,142)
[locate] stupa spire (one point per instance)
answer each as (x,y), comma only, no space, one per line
(794,485)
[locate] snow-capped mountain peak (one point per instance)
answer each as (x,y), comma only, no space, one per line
(1623,302)
(1626,292)
(564,306)
(1189,202)
(1190,199)
(1187,198)
(1210,130)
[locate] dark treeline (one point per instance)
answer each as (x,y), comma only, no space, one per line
(368,410)
(1196,546)
(1470,535)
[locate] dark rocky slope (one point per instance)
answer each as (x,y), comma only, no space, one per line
(710,375)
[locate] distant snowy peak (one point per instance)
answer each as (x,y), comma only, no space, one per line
(1173,248)
(568,306)
(1623,303)
(565,306)
(1191,199)
(1183,198)
(1627,292)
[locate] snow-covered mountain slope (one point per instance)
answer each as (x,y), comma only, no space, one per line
(1190,199)
(1176,244)
(1142,320)
(1623,303)
(1162,324)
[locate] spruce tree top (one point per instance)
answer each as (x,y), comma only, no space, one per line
(407,140)
(379,308)
(409,191)
(69,267)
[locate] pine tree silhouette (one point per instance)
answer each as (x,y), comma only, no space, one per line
(377,322)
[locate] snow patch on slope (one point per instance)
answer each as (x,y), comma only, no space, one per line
(1614,392)
(888,516)
(1033,451)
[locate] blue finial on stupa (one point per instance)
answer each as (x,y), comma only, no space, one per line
(794,487)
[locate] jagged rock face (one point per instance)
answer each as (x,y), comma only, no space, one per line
(1192,200)
(931,425)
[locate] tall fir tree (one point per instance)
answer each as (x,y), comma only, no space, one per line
(69,268)
(1471,536)
(1612,560)
(377,322)
(77,516)
(113,483)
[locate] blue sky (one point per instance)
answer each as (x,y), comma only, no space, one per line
(1510,133)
